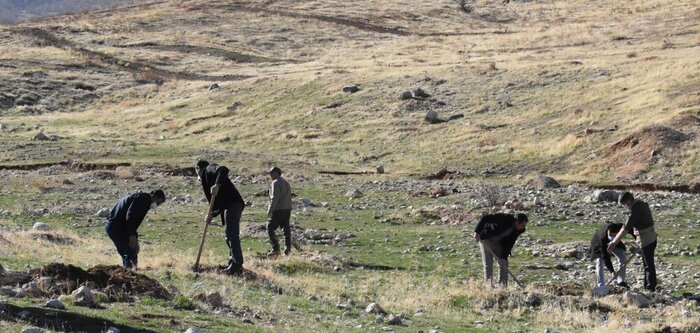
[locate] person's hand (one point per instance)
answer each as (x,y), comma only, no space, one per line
(134,244)
(477,237)
(611,247)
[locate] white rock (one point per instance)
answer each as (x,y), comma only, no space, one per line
(194,330)
(354,193)
(55,304)
(113,330)
(82,296)
(32,329)
(375,309)
(41,226)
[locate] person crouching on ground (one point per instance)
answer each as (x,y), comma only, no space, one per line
(641,225)
(279,211)
(599,252)
(496,234)
(124,221)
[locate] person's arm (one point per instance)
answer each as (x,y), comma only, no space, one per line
(479,228)
(275,197)
(134,216)
(613,243)
(214,194)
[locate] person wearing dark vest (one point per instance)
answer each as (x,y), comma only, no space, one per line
(124,221)
(227,202)
(599,252)
(496,234)
(641,225)
(279,211)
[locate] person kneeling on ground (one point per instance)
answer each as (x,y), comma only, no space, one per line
(641,225)
(279,211)
(124,221)
(496,234)
(599,252)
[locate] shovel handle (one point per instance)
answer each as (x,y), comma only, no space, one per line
(204,233)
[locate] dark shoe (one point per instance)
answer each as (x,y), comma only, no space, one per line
(623,284)
(287,251)
(273,253)
(233,269)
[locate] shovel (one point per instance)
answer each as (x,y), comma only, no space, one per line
(505,267)
(207,221)
(603,290)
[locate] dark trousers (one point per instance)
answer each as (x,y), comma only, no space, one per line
(121,241)
(649,266)
(231,217)
(280,218)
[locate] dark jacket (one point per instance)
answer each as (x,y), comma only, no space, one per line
(127,215)
(228,194)
(599,247)
(496,224)
(640,217)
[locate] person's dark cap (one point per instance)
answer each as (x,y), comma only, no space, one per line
(158,194)
(202,164)
(276,169)
(522,218)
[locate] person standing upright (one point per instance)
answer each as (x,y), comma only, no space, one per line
(641,225)
(228,202)
(278,212)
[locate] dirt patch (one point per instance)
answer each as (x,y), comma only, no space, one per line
(636,152)
(61,321)
(565,289)
(73,166)
(112,280)
(442,174)
(234,56)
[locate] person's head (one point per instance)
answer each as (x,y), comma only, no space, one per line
(626,199)
(613,229)
(157,197)
(201,165)
(275,173)
(520,221)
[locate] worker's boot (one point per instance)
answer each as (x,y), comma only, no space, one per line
(287,251)
(233,269)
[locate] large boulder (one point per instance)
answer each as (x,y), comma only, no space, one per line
(605,196)
(543,181)
(55,304)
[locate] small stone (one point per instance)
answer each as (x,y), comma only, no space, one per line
(374,308)
(32,329)
(113,330)
(636,299)
(41,137)
(194,330)
(406,95)
(41,226)
(313,298)
(432,117)
(354,193)
(394,320)
(215,300)
(380,169)
(353,88)
(214,86)
(55,304)
(533,300)
(32,289)
(420,93)
(82,296)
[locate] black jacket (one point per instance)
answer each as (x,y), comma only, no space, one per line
(599,247)
(640,217)
(496,224)
(127,215)
(228,194)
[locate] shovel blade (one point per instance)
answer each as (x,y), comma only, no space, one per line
(600,291)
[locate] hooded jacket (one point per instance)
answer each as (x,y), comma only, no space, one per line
(127,215)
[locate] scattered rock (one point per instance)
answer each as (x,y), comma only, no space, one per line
(394,320)
(353,88)
(41,137)
(104,212)
(543,181)
(406,95)
(605,196)
(41,226)
(313,298)
(355,193)
(32,329)
(420,93)
(215,300)
(32,289)
(233,107)
(533,300)
(83,297)
(432,117)
(55,304)
(374,308)
(438,192)
(380,169)
(194,330)
(10,291)
(214,86)
(113,330)
(636,299)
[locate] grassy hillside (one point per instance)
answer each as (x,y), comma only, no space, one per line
(97,105)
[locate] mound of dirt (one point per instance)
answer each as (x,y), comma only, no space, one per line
(112,280)
(637,151)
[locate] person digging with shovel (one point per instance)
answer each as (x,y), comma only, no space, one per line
(124,221)
(496,234)
(224,199)
(599,252)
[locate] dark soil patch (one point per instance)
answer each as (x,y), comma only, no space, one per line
(565,289)
(61,321)
(373,267)
(442,174)
(112,280)
(73,166)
